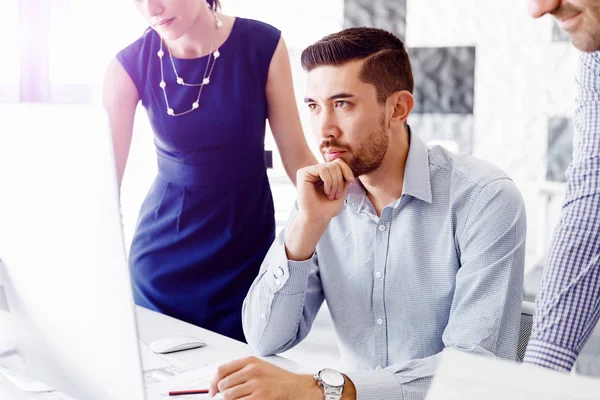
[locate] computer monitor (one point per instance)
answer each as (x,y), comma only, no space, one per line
(67,315)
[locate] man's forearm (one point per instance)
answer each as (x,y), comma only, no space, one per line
(349,392)
(302,237)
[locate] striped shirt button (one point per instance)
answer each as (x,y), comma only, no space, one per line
(379,321)
(277,282)
(378,274)
(379,367)
(382,228)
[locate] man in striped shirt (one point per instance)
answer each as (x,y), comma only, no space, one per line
(568,302)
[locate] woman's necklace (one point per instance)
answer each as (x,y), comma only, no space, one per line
(205,79)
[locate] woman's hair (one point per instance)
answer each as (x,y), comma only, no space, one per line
(214,4)
(386,66)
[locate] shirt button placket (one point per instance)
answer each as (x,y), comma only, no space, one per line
(381,249)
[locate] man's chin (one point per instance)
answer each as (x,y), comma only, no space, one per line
(329,159)
(584,42)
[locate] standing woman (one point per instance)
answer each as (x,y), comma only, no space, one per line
(208,82)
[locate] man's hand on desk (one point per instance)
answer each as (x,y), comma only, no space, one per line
(252,378)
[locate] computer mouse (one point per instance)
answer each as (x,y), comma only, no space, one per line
(175,343)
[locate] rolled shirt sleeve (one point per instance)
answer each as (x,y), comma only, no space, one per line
(283,301)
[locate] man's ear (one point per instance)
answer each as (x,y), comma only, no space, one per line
(401,103)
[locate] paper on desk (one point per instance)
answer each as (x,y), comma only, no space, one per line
(24,383)
(151,360)
(197,378)
(53,396)
(465,376)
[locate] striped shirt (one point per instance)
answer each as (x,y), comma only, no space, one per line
(568,302)
(441,267)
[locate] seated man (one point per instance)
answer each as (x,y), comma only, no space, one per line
(414,249)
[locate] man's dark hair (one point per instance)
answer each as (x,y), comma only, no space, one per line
(387,66)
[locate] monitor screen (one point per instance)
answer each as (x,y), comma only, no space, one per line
(66,309)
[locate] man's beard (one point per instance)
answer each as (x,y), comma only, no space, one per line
(587,37)
(587,41)
(369,153)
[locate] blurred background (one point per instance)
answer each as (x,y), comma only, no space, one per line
(490,81)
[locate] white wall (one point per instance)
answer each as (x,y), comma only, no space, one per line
(522,78)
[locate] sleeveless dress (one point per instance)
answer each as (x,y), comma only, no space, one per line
(208,219)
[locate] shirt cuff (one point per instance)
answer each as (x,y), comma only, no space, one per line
(549,356)
(286,276)
(376,385)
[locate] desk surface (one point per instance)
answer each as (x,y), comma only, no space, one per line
(152,326)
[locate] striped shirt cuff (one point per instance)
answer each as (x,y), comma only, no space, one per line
(376,385)
(549,356)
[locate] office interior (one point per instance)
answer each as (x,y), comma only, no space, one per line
(490,81)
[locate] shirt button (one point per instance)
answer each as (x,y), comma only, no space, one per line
(379,321)
(277,282)
(279,271)
(263,316)
(378,274)
(379,367)
(382,228)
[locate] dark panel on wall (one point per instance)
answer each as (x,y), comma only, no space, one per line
(269,158)
(384,14)
(444,79)
(560,148)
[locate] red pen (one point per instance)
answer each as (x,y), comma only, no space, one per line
(184,392)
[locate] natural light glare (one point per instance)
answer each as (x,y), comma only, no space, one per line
(301,22)
(9,64)
(85,35)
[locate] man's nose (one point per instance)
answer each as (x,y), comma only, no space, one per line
(538,8)
(328,127)
(152,7)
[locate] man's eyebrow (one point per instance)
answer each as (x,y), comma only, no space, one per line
(342,95)
(337,96)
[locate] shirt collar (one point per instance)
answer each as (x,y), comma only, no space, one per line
(417,178)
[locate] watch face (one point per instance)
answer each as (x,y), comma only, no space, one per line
(331,377)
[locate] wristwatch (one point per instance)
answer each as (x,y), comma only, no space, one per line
(332,383)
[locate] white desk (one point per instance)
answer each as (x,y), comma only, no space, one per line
(153,326)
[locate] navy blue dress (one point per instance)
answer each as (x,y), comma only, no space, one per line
(208,219)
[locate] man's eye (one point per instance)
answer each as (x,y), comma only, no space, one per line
(341,104)
(313,106)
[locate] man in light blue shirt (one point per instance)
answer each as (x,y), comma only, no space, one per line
(414,249)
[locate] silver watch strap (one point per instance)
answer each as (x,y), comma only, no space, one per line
(333,393)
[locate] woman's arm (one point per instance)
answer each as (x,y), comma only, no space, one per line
(120,98)
(283,114)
